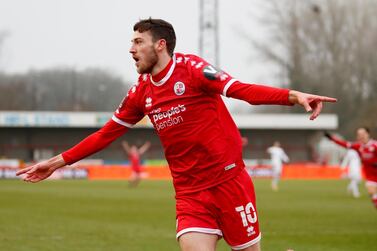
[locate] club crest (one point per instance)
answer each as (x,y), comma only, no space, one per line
(179,88)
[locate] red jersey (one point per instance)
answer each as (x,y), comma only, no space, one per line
(201,142)
(367,153)
(134,158)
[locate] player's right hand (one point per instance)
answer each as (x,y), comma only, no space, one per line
(36,172)
(42,170)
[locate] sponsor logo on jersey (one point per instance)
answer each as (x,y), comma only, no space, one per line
(179,88)
(148,102)
(367,155)
(169,113)
(165,119)
(212,73)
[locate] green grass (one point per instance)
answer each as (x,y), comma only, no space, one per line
(107,215)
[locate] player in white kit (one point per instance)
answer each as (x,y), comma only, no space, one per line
(353,162)
(278,156)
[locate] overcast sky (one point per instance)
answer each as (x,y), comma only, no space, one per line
(97,33)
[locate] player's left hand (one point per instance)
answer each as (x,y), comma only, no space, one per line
(311,103)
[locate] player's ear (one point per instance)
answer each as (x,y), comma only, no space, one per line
(161,44)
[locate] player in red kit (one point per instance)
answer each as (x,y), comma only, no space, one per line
(367,150)
(180,94)
(134,153)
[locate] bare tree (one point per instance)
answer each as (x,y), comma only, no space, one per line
(11,93)
(62,89)
(327,47)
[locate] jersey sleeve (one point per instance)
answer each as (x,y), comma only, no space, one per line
(129,112)
(344,143)
(94,142)
(215,81)
(207,77)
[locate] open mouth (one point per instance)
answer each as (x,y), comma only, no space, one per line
(136,59)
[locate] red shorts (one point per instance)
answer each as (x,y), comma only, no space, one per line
(227,210)
(370,173)
(136,168)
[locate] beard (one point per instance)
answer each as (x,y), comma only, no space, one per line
(151,60)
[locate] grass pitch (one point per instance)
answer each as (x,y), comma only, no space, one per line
(107,215)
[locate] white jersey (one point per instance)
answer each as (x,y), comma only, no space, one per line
(353,162)
(278,156)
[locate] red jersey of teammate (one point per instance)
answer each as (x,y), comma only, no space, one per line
(134,158)
(367,153)
(201,142)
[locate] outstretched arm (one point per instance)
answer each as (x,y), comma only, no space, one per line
(144,147)
(90,145)
(95,142)
(212,80)
(126,147)
(338,141)
(260,94)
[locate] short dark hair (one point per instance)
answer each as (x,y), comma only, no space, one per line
(365,128)
(160,29)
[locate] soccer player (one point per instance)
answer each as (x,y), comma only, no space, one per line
(134,153)
(367,150)
(278,156)
(180,93)
(352,161)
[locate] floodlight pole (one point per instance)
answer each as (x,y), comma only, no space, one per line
(208,35)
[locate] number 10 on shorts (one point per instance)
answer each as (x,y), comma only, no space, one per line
(247,213)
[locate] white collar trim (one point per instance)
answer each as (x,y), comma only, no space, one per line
(167,76)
